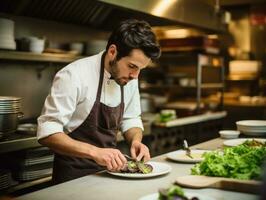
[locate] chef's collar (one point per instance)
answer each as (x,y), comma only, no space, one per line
(108,75)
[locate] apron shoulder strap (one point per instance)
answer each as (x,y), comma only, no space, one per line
(99,91)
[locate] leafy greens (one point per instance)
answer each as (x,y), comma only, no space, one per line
(240,162)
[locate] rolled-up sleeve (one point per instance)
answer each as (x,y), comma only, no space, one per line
(132,111)
(59,104)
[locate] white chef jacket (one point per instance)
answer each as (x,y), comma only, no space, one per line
(73,94)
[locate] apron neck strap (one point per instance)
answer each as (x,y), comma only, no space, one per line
(99,91)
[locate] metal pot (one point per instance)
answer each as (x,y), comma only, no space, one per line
(147,103)
(9,122)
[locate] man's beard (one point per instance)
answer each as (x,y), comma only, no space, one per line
(114,71)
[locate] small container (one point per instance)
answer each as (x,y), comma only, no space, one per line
(229,134)
(167,115)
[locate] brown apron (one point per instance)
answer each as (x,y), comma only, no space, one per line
(99,129)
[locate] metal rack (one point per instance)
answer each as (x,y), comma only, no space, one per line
(206,70)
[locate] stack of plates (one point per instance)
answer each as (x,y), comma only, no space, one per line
(9,104)
(5,179)
(252,127)
(33,164)
(7,40)
(34,172)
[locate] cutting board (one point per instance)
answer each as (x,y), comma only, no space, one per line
(192,181)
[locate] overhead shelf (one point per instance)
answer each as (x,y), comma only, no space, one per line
(202,86)
(42,57)
(16,142)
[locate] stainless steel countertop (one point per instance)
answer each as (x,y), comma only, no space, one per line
(17,141)
(105,186)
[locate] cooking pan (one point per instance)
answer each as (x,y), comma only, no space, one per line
(9,122)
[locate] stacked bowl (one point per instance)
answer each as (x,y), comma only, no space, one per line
(9,113)
(252,127)
(7,40)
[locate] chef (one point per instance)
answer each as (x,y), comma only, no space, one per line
(92,99)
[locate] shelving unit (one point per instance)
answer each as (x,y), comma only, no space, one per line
(205,74)
(14,143)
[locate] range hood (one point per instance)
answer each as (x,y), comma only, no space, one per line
(105,14)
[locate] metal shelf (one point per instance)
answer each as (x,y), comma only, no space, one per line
(16,142)
(42,57)
(28,184)
(239,78)
(203,86)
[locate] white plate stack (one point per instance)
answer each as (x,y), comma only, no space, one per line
(252,127)
(33,164)
(5,179)
(7,40)
(9,104)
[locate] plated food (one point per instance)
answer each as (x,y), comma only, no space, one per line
(236,142)
(175,192)
(137,167)
(181,156)
(229,134)
(158,169)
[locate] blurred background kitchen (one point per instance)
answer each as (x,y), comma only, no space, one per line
(212,71)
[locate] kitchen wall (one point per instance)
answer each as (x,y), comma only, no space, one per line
(32,80)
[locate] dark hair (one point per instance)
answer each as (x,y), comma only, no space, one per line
(134,34)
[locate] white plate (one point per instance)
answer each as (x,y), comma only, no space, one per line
(236,142)
(155,196)
(158,169)
(181,156)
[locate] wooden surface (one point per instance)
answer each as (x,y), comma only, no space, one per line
(192,181)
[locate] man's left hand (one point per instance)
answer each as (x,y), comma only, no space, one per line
(140,151)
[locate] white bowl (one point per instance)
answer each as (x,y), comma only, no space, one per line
(252,127)
(229,134)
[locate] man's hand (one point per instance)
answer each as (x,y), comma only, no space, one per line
(139,151)
(113,159)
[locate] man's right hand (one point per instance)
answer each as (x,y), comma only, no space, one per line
(113,159)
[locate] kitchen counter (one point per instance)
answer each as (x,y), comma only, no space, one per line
(193,119)
(17,141)
(105,186)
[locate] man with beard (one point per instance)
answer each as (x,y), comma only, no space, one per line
(92,99)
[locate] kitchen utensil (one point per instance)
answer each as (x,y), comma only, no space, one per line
(9,122)
(252,127)
(187,149)
(250,186)
(77,47)
(147,103)
(7,40)
(129,158)
(9,113)
(229,134)
(36,45)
